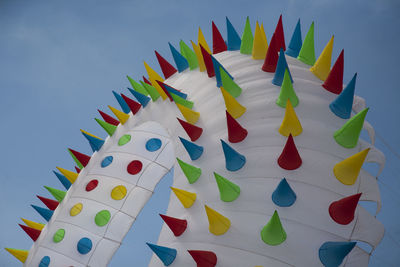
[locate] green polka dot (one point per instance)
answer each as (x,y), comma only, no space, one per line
(124,139)
(102,218)
(59,235)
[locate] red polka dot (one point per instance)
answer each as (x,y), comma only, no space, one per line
(134,167)
(92,185)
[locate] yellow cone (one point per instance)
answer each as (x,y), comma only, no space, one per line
(199,56)
(322,66)
(218,224)
(202,41)
(92,135)
(348,169)
(264,35)
(20,254)
(121,116)
(186,198)
(259,44)
(154,77)
(290,123)
(190,116)
(232,105)
(71,176)
(34,225)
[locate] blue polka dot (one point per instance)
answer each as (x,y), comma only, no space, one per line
(45,262)
(106,161)
(84,245)
(153,144)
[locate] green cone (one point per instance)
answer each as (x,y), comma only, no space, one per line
(56,193)
(229,85)
(109,128)
(189,54)
(182,101)
(151,90)
(76,160)
(287,92)
(228,191)
(246,47)
(137,86)
(348,135)
(307,51)
(191,172)
(273,233)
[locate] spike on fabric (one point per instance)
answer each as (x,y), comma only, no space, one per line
(70,175)
(287,92)
(75,159)
(189,54)
(137,86)
(273,233)
(236,133)
(290,123)
(246,46)
(109,128)
(194,132)
(133,105)
(199,56)
(145,80)
(189,115)
(280,37)
(307,51)
(289,158)
(195,151)
(45,213)
(122,117)
(334,81)
(154,76)
(177,226)
(77,169)
(63,180)
(208,62)
(283,195)
(180,61)
(151,90)
(271,59)
(167,69)
(281,68)
(260,47)
(107,118)
(234,40)
(218,68)
(203,258)
(218,224)
(342,211)
(322,66)
(172,90)
(332,254)
(228,191)
(56,193)
(191,172)
(95,142)
(232,105)
(264,36)
(348,169)
(295,42)
(31,232)
(201,41)
(180,100)
(20,254)
(80,157)
(219,44)
(143,99)
(50,203)
(229,85)
(233,160)
(343,104)
(186,198)
(347,136)
(121,102)
(165,254)
(32,224)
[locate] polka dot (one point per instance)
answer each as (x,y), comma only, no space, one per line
(84,245)
(118,192)
(92,185)
(124,139)
(59,235)
(45,262)
(153,144)
(106,161)
(134,167)
(102,218)
(76,209)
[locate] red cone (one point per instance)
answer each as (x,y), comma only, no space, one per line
(290,158)
(132,104)
(280,36)
(33,233)
(146,81)
(342,211)
(50,203)
(82,158)
(107,118)
(208,62)
(161,84)
(219,44)
(271,59)
(334,82)
(204,258)
(236,133)
(193,131)
(167,69)
(77,169)
(177,226)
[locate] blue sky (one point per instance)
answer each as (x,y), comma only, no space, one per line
(59,61)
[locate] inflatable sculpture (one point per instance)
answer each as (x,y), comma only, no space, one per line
(262,137)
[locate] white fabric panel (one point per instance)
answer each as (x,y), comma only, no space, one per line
(104,251)
(167,158)
(56,259)
(362,229)
(356,258)
(135,201)
(119,226)
(151,176)
(358,104)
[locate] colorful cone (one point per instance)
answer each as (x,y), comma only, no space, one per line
(234,40)
(232,105)
(191,172)
(143,99)
(246,45)
(195,151)
(280,36)
(176,225)
(179,100)
(146,80)
(348,135)
(228,191)
(121,102)
(186,198)
(201,41)
(218,224)
(109,128)
(280,70)
(33,233)
(219,44)
(229,85)
(95,142)
(343,104)
(50,203)
(133,105)
(236,133)
(290,123)
(233,160)
(154,76)
(167,69)
(322,66)
(107,118)
(189,54)
(290,158)
(207,62)
(264,36)
(199,56)
(271,59)
(45,213)
(151,90)
(80,157)
(348,169)
(122,117)
(204,258)
(194,132)
(295,43)
(180,61)
(287,92)
(70,175)
(137,86)
(172,90)
(307,51)
(189,115)
(334,81)
(64,181)
(332,254)
(56,193)
(217,71)
(260,47)
(342,211)
(273,233)
(284,196)
(77,170)
(163,87)
(34,225)
(165,254)
(20,254)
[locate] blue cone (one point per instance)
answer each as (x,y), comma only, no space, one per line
(45,213)
(174,91)
(65,182)
(217,72)
(180,61)
(141,98)
(332,254)
(94,142)
(280,69)
(166,255)
(234,40)
(295,43)
(195,151)
(283,196)
(122,103)
(343,103)
(233,160)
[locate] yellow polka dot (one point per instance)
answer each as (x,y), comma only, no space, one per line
(76,209)
(118,192)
